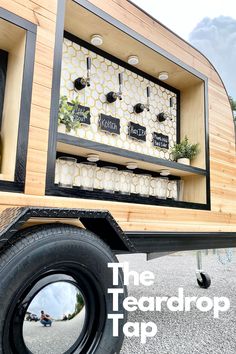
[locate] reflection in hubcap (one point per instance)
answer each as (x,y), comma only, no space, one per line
(54,319)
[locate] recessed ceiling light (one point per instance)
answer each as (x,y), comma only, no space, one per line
(131,165)
(96,40)
(93,158)
(133,60)
(163,75)
(164,173)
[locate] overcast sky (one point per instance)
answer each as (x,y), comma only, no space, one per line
(56,300)
(209,25)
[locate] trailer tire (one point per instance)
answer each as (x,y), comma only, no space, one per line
(43,250)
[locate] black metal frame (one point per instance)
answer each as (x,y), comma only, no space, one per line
(51,188)
(26,92)
(3,73)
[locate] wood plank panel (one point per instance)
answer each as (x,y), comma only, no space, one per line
(35,183)
(44,55)
(39,117)
(41,96)
(38,139)
(158,27)
(36,8)
(43,75)
(36,164)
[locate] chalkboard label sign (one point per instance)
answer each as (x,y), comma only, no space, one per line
(82,114)
(109,124)
(137,131)
(160,140)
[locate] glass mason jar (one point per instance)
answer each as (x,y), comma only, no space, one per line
(144,185)
(87,171)
(180,190)
(125,181)
(109,178)
(66,171)
(161,187)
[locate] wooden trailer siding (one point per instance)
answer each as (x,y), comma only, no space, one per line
(222,216)
(43,14)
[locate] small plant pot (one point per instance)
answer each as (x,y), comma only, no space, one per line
(73,132)
(61,128)
(184,161)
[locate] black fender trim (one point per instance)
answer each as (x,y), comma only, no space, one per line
(100,222)
(151,241)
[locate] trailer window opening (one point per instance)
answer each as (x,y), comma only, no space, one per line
(127,116)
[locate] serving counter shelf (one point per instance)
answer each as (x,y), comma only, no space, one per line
(76,146)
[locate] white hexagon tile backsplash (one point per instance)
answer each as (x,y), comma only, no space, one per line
(104,78)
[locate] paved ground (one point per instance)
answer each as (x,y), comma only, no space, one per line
(56,339)
(185,333)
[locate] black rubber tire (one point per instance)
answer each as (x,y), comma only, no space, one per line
(205,282)
(42,248)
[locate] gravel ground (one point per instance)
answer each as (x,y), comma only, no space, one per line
(194,332)
(191,332)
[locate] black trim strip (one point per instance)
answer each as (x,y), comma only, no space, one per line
(207,145)
(25,106)
(55,96)
(97,194)
(7,186)
(3,74)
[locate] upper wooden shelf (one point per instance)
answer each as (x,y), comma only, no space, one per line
(76,146)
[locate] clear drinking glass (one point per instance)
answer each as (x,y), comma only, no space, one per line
(109,178)
(180,190)
(161,188)
(87,175)
(66,171)
(125,182)
(144,185)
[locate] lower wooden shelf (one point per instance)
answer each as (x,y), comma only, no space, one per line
(196,187)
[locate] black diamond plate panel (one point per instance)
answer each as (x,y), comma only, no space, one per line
(98,221)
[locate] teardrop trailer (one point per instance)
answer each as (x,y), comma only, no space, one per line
(133,90)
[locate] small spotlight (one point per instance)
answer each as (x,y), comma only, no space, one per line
(96,40)
(163,76)
(164,173)
(133,60)
(93,158)
(131,165)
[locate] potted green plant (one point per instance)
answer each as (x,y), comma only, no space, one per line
(66,114)
(184,152)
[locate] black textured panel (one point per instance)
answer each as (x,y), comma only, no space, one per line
(98,221)
(10,220)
